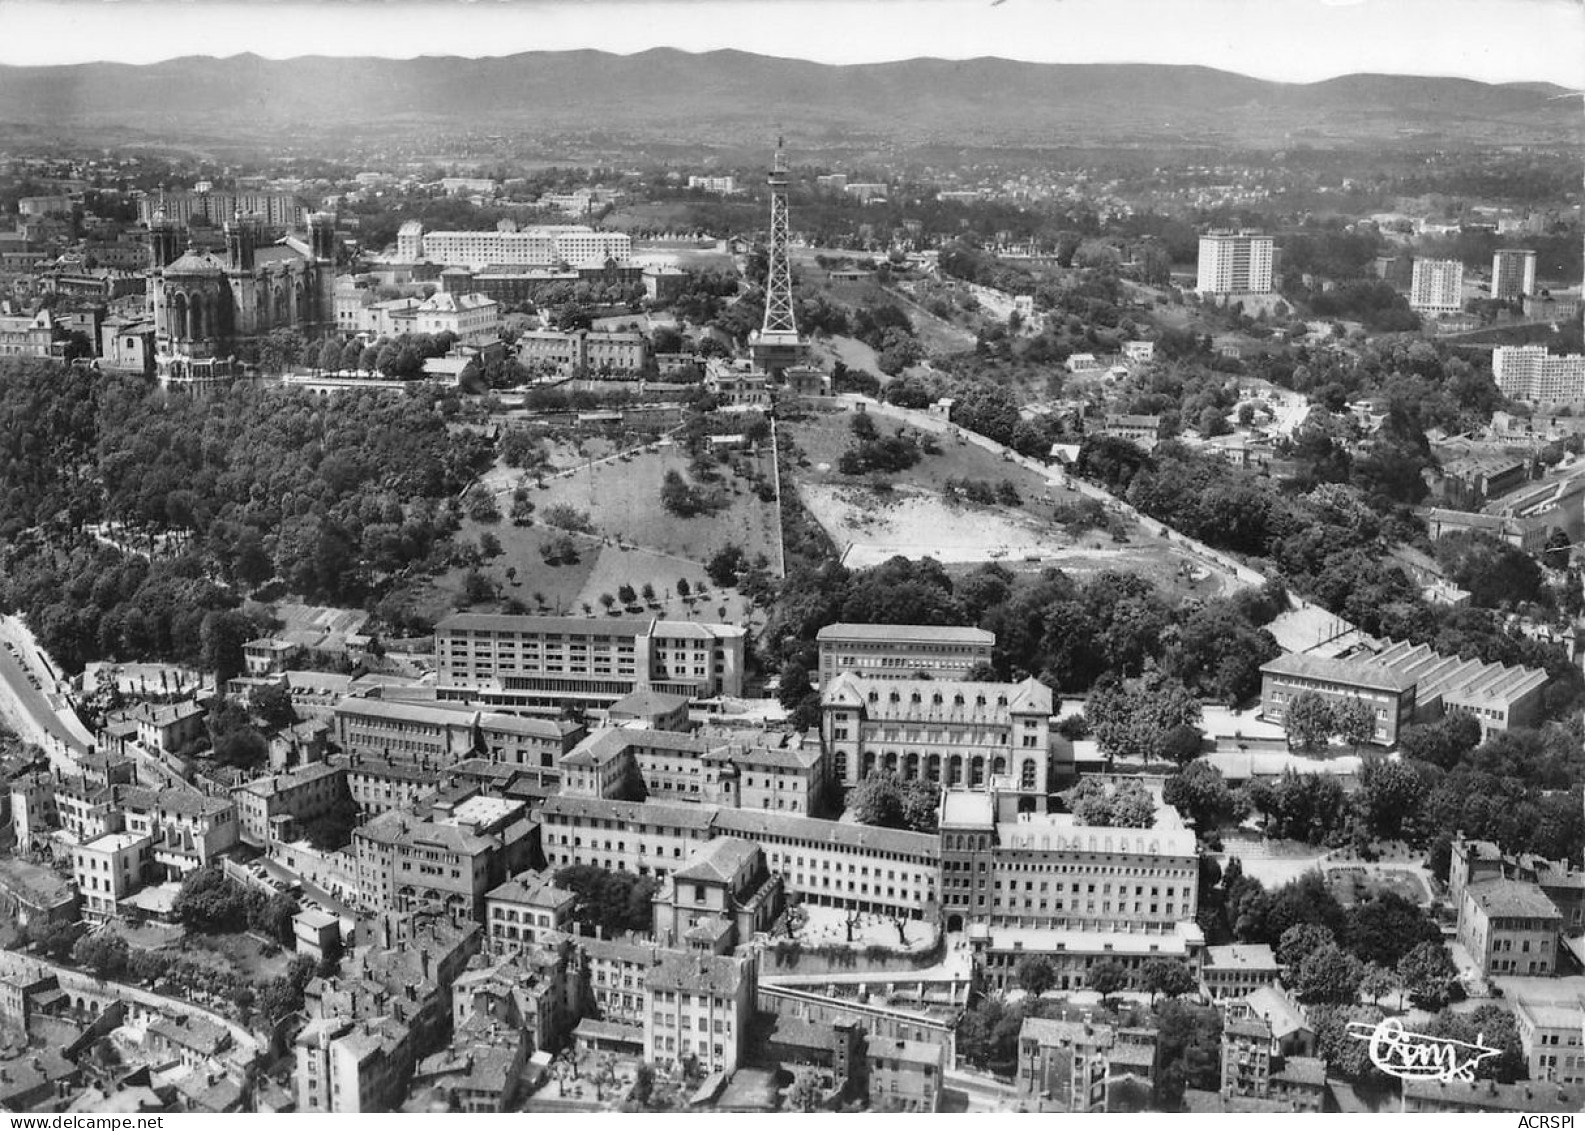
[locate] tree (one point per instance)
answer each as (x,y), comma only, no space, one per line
(1308,721)
(1427,974)
(1132,805)
(283,996)
(1385,927)
(1035,973)
(1390,798)
(1330,975)
(105,953)
(678,496)
(272,703)
(682,587)
(613,902)
(794,686)
(350,353)
(1493,1026)
(726,564)
(1189,1037)
(877,800)
(1132,718)
(53,937)
(243,748)
(1377,982)
(273,917)
(1108,978)
(1182,744)
(222,634)
(212,902)
(647,592)
(146,967)
(1200,793)
(805,1093)
(1165,978)
(1344,1054)
(330,356)
(1297,943)
(1355,722)
(626,594)
(606,601)
(1556,551)
(643,1084)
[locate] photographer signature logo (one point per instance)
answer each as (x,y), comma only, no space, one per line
(1415,1056)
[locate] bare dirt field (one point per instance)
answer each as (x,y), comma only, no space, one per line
(870,527)
(916,520)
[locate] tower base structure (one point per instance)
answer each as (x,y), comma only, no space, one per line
(776,353)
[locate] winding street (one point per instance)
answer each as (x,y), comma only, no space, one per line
(11,962)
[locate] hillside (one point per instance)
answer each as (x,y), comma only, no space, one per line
(726,98)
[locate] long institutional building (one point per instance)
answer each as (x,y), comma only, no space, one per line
(902,651)
(1236,263)
(954,732)
(1407,683)
(539,246)
(1532,374)
(542,663)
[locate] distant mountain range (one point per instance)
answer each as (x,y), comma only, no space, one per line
(732,98)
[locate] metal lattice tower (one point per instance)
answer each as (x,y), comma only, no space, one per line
(778,346)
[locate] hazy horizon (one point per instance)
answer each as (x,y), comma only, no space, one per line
(1493,41)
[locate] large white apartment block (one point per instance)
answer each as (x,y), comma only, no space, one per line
(1512,273)
(902,651)
(540,246)
(542,662)
(1437,286)
(1235,263)
(1530,373)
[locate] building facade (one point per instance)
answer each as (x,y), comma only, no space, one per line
(957,733)
(540,246)
(1510,927)
(1531,373)
(203,304)
(1512,273)
(1390,696)
(1235,263)
(1437,286)
(902,651)
(542,662)
(1062,1065)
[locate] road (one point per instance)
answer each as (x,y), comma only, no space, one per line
(247,1045)
(979,1091)
(23,704)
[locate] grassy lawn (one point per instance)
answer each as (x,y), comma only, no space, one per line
(559,585)
(602,567)
(623,500)
(1352,884)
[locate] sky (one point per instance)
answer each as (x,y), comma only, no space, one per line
(1286,40)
